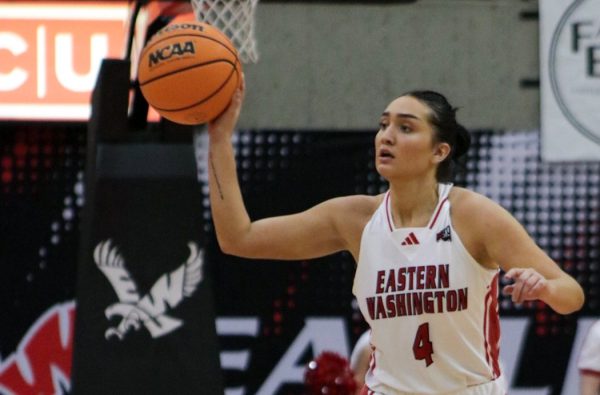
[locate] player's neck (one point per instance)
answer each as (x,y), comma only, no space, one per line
(413,202)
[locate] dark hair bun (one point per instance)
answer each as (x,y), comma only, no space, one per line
(462,142)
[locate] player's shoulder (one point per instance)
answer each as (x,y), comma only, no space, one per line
(474,212)
(357,204)
(466,201)
(350,214)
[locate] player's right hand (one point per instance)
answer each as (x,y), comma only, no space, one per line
(222,127)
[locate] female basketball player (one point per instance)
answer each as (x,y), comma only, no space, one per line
(428,254)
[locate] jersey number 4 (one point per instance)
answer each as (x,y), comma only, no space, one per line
(422,346)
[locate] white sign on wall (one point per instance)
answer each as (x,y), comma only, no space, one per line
(570,79)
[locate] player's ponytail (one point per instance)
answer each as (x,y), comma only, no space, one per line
(447,129)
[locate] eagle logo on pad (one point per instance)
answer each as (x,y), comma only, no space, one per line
(150,309)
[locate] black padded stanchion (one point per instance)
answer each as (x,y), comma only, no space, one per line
(145,321)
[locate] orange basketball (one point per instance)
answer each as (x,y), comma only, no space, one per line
(188,72)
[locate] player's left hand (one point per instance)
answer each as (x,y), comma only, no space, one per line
(527,284)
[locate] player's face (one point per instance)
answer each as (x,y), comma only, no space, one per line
(404,145)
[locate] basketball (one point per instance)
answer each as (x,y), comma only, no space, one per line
(188,72)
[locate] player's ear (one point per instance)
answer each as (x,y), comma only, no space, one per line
(441,151)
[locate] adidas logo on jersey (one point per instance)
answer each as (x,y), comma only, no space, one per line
(444,235)
(411,239)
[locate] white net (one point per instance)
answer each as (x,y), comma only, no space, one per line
(235,18)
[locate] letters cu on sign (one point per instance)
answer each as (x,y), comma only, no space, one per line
(50,55)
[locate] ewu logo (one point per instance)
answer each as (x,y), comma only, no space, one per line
(50,55)
(42,362)
(168,51)
(149,310)
(444,235)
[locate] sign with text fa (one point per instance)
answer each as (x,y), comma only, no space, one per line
(570,71)
(50,54)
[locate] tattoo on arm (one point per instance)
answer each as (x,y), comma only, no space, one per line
(212,166)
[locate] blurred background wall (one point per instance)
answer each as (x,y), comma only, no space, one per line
(336,65)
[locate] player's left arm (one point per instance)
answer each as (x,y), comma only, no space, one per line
(534,275)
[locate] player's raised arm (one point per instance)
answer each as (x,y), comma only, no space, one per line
(309,234)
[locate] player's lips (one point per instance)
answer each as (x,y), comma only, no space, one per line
(385,154)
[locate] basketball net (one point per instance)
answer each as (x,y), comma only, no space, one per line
(235,18)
